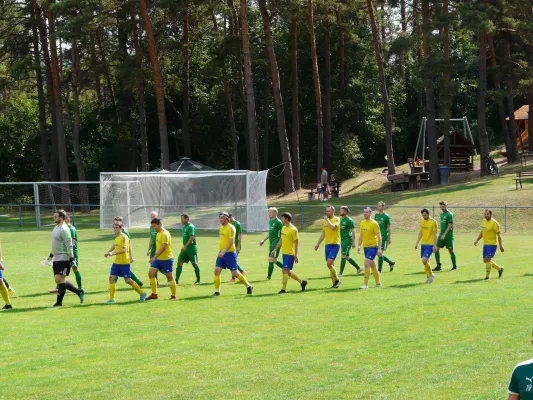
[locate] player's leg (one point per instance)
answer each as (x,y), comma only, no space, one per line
(193,257)
(5,293)
(152,272)
(284,280)
(77,273)
(368,266)
(425,253)
(332,252)
(173,286)
(374,268)
(9,288)
(440,245)
(218,269)
(231,263)
(179,270)
(113,276)
(136,287)
(449,246)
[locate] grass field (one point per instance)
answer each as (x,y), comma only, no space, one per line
(458,338)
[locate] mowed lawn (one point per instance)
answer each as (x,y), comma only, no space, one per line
(458,338)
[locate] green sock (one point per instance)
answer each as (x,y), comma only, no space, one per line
(270,270)
(78,278)
(437,257)
(352,261)
(197,273)
(179,270)
(239,268)
(343,264)
(380,263)
(279,264)
(387,259)
(454,260)
(135,279)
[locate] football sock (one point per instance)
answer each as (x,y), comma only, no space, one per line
(61,289)
(239,268)
(197,273)
(427,268)
(112,290)
(135,287)
(69,286)
(270,269)
(294,276)
(217,283)
(153,285)
(495,266)
(4,293)
(376,274)
(488,267)
(380,263)
(454,259)
(352,261)
(285,280)
(437,257)
(135,279)
(367,275)
(343,264)
(7,284)
(243,280)
(333,274)
(179,270)
(173,287)
(279,264)
(387,259)
(78,278)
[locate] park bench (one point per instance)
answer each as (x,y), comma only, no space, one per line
(312,191)
(523,159)
(398,181)
(522,176)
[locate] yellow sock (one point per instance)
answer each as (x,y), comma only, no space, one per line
(173,287)
(496,266)
(488,267)
(367,275)
(427,268)
(217,282)
(285,280)
(4,292)
(112,290)
(137,288)
(243,280)
(333,273)
(295,277)
(375,272)
(153,285)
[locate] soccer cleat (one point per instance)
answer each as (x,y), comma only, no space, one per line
(336,284)
(379,270)
(142,298)
(359,271)
(173,298)
(110,301)
(11,291)
(392,264)
(437,268)
(197,283)
(216,294)
(269,278)
(53,290)
(152,297)
(454,268)
(378,285)
(282,291)
(249,289)
(500,272)
(81,295)
(7,307)
(486,278)
(340,273)
(363,286)
(56,306)
(304,285)
(430,279)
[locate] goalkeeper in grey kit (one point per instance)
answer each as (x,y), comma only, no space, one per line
(62,257)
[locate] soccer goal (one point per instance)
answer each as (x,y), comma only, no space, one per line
(201,194)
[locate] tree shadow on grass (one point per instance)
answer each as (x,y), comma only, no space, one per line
(528,274)
(415,273)
(468,281)
(407,285)
(289,293)
(192,298)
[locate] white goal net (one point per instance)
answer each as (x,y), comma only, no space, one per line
(202,195)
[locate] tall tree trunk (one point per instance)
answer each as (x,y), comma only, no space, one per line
(278,102)
(342,75)
(403,16)
(446,95)
(430,104)
(481,104)
(499,98)
(253,148)
(416,29)
(510,104)
(95,69)
(266,118)
(80,168)
(140,92)
(187,145)
(318,94)
(61,140)
(295,145)
(327,96)
(107,73)
(231,119)
(158,83)
(43,128)
(383,88)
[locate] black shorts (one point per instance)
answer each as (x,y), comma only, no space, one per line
(324,187)
(61,268)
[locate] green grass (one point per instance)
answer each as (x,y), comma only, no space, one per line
(458,338)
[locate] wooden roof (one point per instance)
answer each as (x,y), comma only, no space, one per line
(522,113)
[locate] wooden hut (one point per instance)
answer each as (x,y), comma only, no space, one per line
(522,128)
(462,152)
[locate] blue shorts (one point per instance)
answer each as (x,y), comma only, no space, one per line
(489,250)
(227,261)
(1,274)
(288,261)
(165,266)
(332,250)
(122,270)
(426,250)
(371,253)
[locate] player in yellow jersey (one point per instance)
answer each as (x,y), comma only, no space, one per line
(428,235)
(490,232)
(121,266)
(332,233)
(3,287)
(162,261)
(289,249)
(227,254)
(370,238)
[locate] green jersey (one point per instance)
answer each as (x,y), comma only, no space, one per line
(521,383)
(274,230)
(125,232)
(188,231)
(445,219)
(238,229)
(74,235)
(347,225)
(384,221)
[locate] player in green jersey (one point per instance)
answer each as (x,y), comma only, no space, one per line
(125,231)
(347,240)
(151,243)
(445,237)
(384,221)
(238,242)
(521,383)
(75,267)
(189,251)
(274,234)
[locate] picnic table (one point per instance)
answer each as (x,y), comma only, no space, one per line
(404,181)
(522,176)
(523,159)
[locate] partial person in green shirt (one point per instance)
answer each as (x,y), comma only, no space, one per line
(238,243)
(521,383)
(385,227)
(274,236)
(445,237)
(347,240)
(189,251)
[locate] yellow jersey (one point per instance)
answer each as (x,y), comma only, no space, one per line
(289,236)
(163,237)
(333,236)
(490,230)
(1,252)
(370,231)
(226,233)
(122,242)
(428,227)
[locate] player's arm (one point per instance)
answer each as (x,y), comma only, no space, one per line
(380,241)
(331,225)
(67,239)
(419,238)
(435,249)
(191,239)
(109,252)
(240,240)
(478,238)
(513,397)
(320,239)
(264,240)
(131,252)
(448,229)
(354,235)
(273,253)
(389,229)
(500,241)
(296,245)
(149,246)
